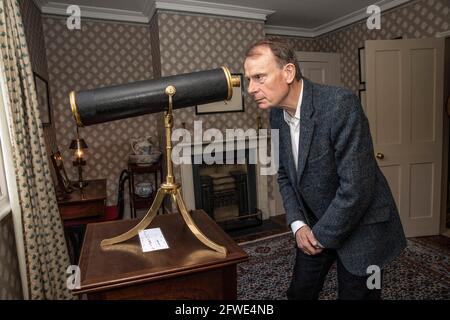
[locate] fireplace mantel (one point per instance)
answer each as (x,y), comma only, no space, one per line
(249,143)
(222,141)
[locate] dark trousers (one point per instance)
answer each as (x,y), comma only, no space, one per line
(309,277)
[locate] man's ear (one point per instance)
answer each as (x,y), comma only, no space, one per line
(289,73)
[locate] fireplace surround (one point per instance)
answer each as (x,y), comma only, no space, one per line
(227,192)
(241,173)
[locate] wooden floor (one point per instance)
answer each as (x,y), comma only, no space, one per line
(440,242)
(272,226)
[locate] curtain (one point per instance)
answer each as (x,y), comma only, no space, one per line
(46,252)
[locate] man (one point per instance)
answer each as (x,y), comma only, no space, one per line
(337,201)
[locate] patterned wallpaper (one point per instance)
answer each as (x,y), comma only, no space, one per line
(36,45)
(299,44)
(156,61)
(10,285)
(154,40)
(100,54)
(35,36)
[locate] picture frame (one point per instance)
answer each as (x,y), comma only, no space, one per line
(43,99)
(362,99)
(236,104)
(362,65)
(64,183)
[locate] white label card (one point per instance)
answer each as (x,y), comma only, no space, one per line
(152,240)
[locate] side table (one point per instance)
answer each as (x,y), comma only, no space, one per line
(137,202)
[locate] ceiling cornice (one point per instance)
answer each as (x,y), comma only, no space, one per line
(57,8)
(208,8)
(289,31)
(333,25)
(443,34)
(213,9)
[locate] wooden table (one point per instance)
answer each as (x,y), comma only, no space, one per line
(88,202)
(79,208)
(187,270)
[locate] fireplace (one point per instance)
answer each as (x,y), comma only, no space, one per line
(247,176)
(227,192)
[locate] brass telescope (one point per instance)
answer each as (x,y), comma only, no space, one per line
(150,96)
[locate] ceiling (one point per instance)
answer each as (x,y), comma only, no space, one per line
(307,17)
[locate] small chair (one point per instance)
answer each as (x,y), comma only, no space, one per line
(76,227)
(116,212)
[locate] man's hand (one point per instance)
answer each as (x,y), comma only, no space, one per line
(306,241)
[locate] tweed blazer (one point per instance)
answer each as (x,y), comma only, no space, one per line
(338,188)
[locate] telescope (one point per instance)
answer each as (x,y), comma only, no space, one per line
(100,105)
(142,97)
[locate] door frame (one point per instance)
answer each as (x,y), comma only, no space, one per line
(445,140)
(442,204)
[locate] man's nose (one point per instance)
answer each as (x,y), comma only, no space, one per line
(252,88)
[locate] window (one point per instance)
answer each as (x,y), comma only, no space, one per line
(5,207)
(4,200)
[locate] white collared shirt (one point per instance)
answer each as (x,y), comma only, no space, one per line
(294,126)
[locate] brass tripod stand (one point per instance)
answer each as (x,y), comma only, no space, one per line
(169,187)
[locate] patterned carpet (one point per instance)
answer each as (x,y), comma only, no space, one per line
(422,271)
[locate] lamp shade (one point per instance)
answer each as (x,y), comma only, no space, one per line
(78,144)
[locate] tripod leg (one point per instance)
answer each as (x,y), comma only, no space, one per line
(193,227)
(149,216)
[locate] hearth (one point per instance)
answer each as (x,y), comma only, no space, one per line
(227,192)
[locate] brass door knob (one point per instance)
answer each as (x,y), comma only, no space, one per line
(380,156)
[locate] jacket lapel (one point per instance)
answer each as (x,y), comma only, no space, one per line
(306,127)
(285,136)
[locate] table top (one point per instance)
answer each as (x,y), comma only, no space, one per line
(94,191)
(144,168)
(125,263)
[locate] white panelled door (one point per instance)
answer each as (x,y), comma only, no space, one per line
(320,67)
(404,90)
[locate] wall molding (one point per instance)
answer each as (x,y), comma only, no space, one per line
(289,31)
(215,9)
(332,25)
(443,34)
(58,8)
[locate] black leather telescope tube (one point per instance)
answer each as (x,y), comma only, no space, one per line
(148,96)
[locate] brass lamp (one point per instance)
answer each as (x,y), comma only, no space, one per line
(79,145)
